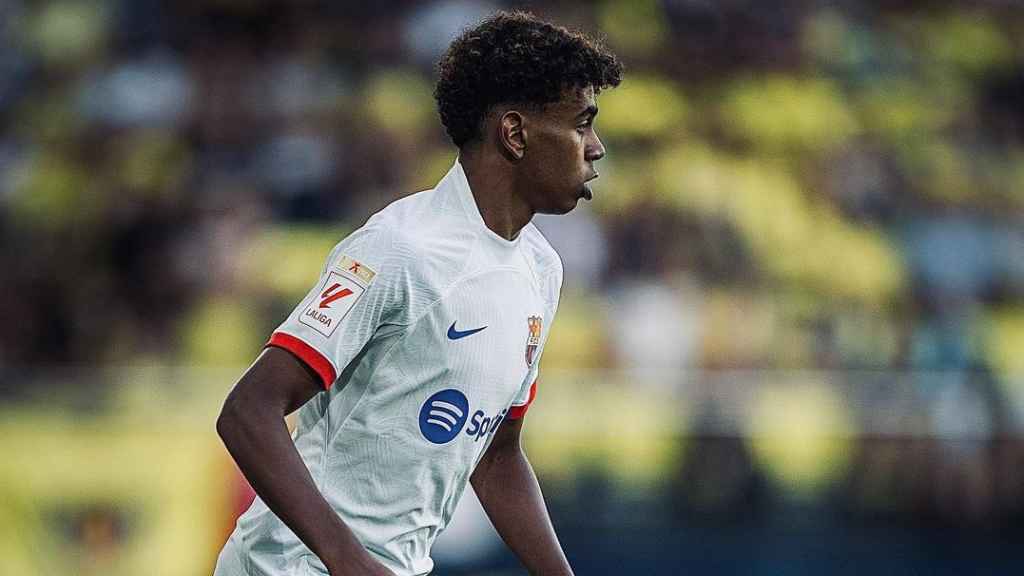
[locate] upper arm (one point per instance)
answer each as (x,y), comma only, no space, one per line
(507,437)
(276,380)
(505,446)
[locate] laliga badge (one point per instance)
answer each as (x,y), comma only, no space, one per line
(534,324)
(337,294)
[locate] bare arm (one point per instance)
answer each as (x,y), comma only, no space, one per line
(252,425)
(508,490)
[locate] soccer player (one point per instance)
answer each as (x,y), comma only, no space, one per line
(414,357)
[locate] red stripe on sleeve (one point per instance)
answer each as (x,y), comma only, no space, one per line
(311,356)
(517,412)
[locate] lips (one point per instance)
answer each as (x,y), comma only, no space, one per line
(588,194)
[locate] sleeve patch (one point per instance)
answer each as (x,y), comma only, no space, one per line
(337,294)
(356,269)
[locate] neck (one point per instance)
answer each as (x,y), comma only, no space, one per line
(495,189)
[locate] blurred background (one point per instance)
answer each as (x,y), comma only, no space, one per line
(791,331)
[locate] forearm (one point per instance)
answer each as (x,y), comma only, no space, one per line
(257,438)
(510,494)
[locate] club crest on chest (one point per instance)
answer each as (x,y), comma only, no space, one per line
(534,324)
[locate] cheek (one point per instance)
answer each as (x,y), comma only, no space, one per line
(560,161)
(571,152)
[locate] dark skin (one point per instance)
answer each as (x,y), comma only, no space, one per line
(527,161)
(533,161)
(252,425)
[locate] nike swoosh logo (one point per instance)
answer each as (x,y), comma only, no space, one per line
(454,334)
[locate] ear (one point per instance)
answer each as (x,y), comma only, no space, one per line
(512,134)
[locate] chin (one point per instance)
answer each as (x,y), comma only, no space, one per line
(567,202)
(565,208)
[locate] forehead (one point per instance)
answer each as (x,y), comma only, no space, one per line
(574,100)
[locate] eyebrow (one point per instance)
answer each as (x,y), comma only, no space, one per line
(589,111)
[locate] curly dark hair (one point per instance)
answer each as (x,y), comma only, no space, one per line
(514,57)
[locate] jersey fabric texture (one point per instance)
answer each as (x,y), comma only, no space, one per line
(426,328)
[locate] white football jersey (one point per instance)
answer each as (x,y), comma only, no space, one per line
(426,328)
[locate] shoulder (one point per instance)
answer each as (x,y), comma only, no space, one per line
(546,262)
(543,256)
(412,240)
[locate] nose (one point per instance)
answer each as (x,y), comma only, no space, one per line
(594,149)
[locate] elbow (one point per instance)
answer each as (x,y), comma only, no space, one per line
(225,421)
(230,419)
(244,418)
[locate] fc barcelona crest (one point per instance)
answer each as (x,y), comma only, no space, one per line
(534,323)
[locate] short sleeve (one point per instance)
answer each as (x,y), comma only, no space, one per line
(549,267)
(362,286)
(528,390)
(524,400)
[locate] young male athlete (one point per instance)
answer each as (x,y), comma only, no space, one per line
(414,357)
